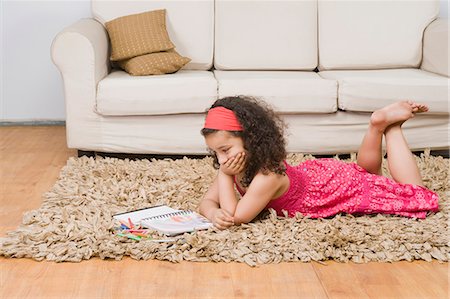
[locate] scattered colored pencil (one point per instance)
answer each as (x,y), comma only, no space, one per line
(135,232)
(123,223)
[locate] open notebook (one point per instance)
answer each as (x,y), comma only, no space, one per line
(166,220)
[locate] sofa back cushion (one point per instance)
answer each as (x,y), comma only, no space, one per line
(265,35)
(368,34)
(190,24)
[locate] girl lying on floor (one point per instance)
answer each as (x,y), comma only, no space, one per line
(248,144)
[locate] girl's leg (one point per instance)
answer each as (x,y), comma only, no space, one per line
(370,152)
(401,162)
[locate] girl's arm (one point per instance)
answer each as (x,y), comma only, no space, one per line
(210,208)
(226,193)
(210,201)
(262,189)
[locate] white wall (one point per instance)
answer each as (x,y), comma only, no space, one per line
(444,8)
(31,86)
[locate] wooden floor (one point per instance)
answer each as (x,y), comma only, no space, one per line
(30,160)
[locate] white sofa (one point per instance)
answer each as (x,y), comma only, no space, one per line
(324,65)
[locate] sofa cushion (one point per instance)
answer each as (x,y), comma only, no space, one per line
(183,92)
(287,91)
(138,34)
(190,24)
(266,35)
(372,34)
(154,63)
(436,47)
(370,90)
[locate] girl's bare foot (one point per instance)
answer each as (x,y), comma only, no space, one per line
(395,113)
(418,108)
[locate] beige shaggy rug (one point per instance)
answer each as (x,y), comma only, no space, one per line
(75,220)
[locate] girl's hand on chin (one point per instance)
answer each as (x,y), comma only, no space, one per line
(234,165)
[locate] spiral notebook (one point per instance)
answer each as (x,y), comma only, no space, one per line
(137,215)
(166,220)
(177,222)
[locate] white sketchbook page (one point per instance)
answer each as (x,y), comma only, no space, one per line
(136,216)
(178,223)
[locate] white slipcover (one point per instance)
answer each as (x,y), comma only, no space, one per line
(268,40)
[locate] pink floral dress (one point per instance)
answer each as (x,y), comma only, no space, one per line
(325,187)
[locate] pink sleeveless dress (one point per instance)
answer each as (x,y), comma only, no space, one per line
(325,187)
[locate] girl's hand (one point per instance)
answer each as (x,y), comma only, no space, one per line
(221,219)
(234,165)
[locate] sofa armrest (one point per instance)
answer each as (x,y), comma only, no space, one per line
(81,48)
(435,47)
(81,53)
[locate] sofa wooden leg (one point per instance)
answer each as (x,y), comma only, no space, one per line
(86,153)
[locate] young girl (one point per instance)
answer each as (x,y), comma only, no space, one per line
(246,139)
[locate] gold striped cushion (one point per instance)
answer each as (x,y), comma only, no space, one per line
(138,34)
(154,63)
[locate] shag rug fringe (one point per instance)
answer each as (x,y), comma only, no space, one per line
(75,220)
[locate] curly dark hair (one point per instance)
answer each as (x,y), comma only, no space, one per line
(263,135)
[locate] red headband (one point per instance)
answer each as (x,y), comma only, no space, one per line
(221,118)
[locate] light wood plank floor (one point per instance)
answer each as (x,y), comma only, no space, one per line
(30,161)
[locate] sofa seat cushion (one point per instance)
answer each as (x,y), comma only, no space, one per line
(286,91)
(183,92)
(366,91)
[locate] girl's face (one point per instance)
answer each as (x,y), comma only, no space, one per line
(225,145)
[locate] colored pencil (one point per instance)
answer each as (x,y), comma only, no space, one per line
(131,223)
